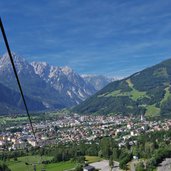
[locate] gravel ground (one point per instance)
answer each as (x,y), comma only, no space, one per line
(104,165)
(165,165)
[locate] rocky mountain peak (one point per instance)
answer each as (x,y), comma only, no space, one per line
(5,58)
(53,86)
(41,68)
(66,70)
(20,63)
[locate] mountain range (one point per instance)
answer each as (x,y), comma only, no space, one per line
(147,92)
(45,87)
(97,81)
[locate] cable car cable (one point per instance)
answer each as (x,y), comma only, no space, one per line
(16,75)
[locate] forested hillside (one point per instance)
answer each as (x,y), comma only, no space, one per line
(147,92)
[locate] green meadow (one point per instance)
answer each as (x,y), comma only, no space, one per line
(20,164)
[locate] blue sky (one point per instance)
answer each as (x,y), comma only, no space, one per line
(109,37)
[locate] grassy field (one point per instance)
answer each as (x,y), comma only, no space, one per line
(133,94)
(20,164)
(92,159)
(61,166)
(152,111)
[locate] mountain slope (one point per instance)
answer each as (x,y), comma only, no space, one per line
(11,102)
(65,81)
(147,92)
(51,86)
(33,86)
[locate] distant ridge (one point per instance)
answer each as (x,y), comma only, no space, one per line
(97,81)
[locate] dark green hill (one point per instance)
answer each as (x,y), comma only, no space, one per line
(146,92)
(11,102)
